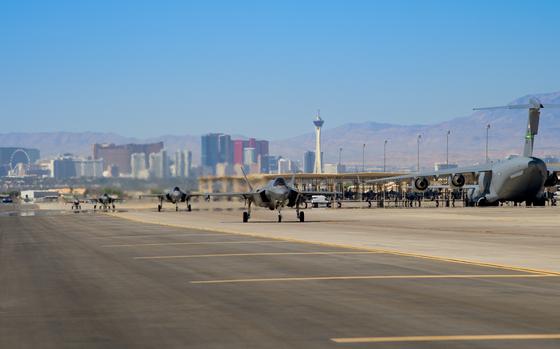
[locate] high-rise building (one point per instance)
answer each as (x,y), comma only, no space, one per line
(308,161)
(120,155)
(220,148)
(89,168)
(63,167)
(180,164)
(210,147)
(67,166)
(225,145)
(249,156)
(138,166)
(159,165)
(284,166)
(188,163)
(318,122)
(269,164)
(261,147)
(238,146)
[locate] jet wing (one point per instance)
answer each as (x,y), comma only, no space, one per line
(244,195)
(435,174)
(325,193)
(159,196)
(192,195)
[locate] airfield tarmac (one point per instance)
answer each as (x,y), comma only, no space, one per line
(379,278)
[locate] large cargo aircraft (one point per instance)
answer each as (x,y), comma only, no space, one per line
(517,179)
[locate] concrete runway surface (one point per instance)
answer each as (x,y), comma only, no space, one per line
(91,280)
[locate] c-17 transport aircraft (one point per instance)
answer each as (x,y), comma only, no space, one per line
(517,179)
(275,195)
(174,196)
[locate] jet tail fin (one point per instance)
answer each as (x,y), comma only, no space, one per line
(293,180)
(246,179)
(534,107)
(532,130)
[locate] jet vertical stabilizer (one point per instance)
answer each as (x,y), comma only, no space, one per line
(532,130)
(534,107)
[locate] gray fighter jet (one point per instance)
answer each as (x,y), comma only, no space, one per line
(105,202)
(174,196)
(517,179)
(276,195)
(75,201)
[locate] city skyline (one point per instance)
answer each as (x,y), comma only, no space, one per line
(146,69)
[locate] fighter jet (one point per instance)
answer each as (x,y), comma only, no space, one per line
(104,201)
(174,196)
(517,179)
(276,195)
(76,203)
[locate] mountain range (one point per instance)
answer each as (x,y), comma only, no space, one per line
(467,139)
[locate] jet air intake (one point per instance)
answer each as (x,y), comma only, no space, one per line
(421,183)
(292,198)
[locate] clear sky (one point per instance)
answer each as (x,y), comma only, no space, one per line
(263,68)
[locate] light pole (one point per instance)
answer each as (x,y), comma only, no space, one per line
(418,143)
(447,148)
(384,154)
(364,158)
(487,131)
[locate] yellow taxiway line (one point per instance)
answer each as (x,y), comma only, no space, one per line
(376,277)
(259,254)
(198,243)
(485,337)
(156,236)
(341,245)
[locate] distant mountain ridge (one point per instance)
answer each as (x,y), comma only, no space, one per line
(466,142)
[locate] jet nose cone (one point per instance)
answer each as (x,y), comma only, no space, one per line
(538,165)
(280,190)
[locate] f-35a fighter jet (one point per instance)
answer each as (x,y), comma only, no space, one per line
(105,202)
(276,195)
(174,196)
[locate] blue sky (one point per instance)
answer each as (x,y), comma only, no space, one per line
(263,68)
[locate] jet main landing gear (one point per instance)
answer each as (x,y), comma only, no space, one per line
(247,214)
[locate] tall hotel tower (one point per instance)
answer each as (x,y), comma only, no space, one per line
(318,122)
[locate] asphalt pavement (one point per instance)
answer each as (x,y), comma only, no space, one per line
(94,281)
